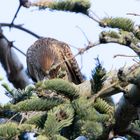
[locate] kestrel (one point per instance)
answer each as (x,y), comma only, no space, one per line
(49,58)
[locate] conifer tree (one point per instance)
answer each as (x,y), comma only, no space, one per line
(56,109)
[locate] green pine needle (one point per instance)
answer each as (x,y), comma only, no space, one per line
(42,137)
(36,104)
(119,22)
(97,77)
(86,112)
(38,120)
(59,137)
(91,129)
(8,131)
(103,107)
(78,6)
(26,127)
(58,118)
(61,87)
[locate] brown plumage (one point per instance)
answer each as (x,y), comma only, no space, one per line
(49,58)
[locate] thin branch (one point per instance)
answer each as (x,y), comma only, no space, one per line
(91,17)
(15,15)
(13,45)
(24,3)
(18,50)
(20,28)
(83,33)
(12,117)
(133,14)
(123,55)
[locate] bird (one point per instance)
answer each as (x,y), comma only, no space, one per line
(49,58)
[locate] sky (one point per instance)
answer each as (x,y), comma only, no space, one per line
(63,26)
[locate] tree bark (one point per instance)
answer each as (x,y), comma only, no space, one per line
(11,64)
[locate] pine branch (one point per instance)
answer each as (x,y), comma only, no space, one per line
(121,23)
(123,38)
(85,112)
(103,107)
(97,77)
(61,87)
(124,24)
(18,95)
(78,6)
(38,120)
(36,104)
(90,129)
(58,118)
(8,131)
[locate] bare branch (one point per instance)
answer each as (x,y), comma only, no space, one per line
(83,33)
(123,55)
(15,15)
(20,28)
(24,3)
(133,14)
(19,50)
(13,45)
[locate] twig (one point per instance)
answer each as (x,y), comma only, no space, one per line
(83,33)
(123,55)
(133,14)
(136,61)
(12,117)
(13,45)
(95,15)
(20,28)
(24,3)
(15,14)
(23,117)
(91,17)
(19,50)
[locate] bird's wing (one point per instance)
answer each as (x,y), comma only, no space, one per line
(72,65)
